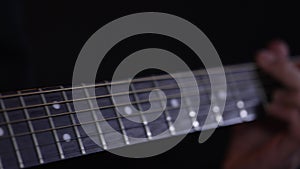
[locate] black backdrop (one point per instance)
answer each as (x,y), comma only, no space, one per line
(40,41)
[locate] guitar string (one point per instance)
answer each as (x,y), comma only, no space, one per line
(105,119)
(120,131)
(104,107)
(124,104)
(94,121)
(82,137)
(86,147)
(250,66)
(120,94)
(172,96)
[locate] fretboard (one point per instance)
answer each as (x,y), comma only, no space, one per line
(39,126)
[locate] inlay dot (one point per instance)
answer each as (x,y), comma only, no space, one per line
(128,110)
(243,113)
(240,104)
(172,128)
(219,118)
(56,105)
(196,124)
(67,137)
(169,118)
(216,109)
(192,113)
(174,103)
(1,132)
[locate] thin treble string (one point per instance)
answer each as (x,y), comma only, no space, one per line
(251,66)
(108,132)
(107,95)
(89,147)
(103,107)
(101,120)
(86,147)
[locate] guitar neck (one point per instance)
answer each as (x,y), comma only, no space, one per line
(39,126)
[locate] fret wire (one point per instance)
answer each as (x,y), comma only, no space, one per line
(228,122)
(13,138)
(38,151)
(45,130)
(143,118)
(103,107)
(66,113)
(120,122)
(101,136)
(0,99)
(103,96)
(193,119)
(251,66)
(74,122)
(54,132)
(168,117)
(81,99)
(237,96)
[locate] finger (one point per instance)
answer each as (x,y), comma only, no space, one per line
(281,68)
(279,151)
(289,115)
(279,48)
(297,64)
(282,112)
(287,98)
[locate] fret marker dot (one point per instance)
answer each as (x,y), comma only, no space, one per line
(56,106)
(243,113)
(174,103)
(67,137)
(216,109)
(127,110)
(172,128)
(219,118)
(240,104)
(192,113)
(169,118)
(1,132)
(196,124)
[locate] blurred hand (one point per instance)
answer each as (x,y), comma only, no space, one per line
(270,146)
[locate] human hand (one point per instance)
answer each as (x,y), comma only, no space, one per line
(260,145)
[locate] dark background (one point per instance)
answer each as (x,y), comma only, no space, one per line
(40,41)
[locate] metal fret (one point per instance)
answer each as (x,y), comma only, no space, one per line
(39,154)
(121,123)
(145,122)
(16,147)
(74,122)
(192,114)
(168,117)
(59,147)
(31,130)
(240,104)
(104,144)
